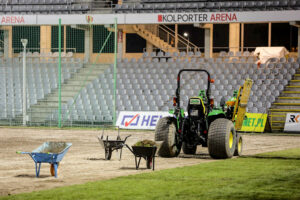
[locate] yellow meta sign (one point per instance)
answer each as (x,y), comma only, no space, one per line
(254,122)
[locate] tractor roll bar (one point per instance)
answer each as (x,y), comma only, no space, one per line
(192,70)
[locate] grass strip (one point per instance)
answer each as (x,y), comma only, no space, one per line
(265,176)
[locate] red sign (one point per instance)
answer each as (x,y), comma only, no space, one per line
(197,17)
(223,17)
(12,20)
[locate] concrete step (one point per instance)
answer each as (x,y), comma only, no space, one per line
(91,70)
(287,100)
(40,112)
(290,94)
(64,93)
(292,88)
(283,110)
(296,76)
(63,98)
(290,106)
(277,127)
(45,104)
(278,122)
(83,77)
(277,118)
(287,104)
(68,87)
(81,80)
(39,116)
(294,83)
(98,66)
(43,108)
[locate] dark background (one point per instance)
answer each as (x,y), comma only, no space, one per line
(255,35)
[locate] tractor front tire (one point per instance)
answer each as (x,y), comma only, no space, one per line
(189,149)
(239,146)
(221,139)
(165,131)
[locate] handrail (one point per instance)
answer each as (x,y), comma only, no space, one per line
(182,39)
(169,33)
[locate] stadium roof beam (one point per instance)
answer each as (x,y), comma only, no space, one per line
(234,37)
(208,40)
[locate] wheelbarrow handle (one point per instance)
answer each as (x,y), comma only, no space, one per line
(23,152)
(128,148)
(126,138)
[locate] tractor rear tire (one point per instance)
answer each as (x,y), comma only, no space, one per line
(239,146)
(165,131)
(189,149)
(221,139)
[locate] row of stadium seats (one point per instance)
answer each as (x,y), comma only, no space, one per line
(175,54)
(43,7)
(32,59)
(207,6)
(161,54)
(204,60)
(41,80)
(34,2)
(151,86)
(48,54)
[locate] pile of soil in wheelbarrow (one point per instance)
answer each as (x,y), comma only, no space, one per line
(54,147)
(145,143)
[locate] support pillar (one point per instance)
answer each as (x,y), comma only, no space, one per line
(234,37)
(176,36)
(65,38)
(7,33)
(120,44)
(124,44)
(45,38)
(91,44)
(208,40)
(242,37)
(87,53)
(270,34)
(299,42)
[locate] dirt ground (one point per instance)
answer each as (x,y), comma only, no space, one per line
(85,162)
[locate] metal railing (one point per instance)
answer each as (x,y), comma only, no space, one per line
(43,51)
(215,49)
(169,36)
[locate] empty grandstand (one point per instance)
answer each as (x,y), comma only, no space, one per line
(104,71)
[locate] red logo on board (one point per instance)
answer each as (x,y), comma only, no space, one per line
(160,18)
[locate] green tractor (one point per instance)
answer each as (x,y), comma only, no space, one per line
(204,124)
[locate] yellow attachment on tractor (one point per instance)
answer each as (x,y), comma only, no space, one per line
(241,103)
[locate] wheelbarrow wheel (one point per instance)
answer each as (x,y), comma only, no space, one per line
(52,170)
(149,162)
(108,153)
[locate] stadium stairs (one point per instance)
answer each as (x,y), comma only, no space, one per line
(154,39)
(40,112)
(287,102)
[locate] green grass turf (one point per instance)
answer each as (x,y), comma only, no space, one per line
(273,176)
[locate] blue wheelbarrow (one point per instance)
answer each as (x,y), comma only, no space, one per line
(48,152)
